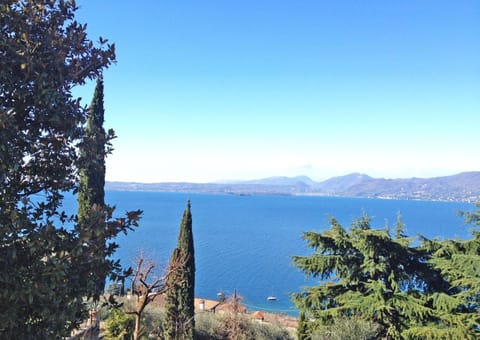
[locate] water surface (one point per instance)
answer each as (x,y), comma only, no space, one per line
(246,242)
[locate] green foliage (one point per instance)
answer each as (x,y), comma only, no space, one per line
(207,326)
(153,322)
(302,329)
(46,264)
(94,148)
(347,328)
(262,331)
(180,294)
(172,326)
(187,279)
(409,290)
(119,326)
(218,327)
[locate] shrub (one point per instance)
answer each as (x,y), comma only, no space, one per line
(207,327)
(152,320)
(119,326)
(348,329)
(264,331)
(239,327)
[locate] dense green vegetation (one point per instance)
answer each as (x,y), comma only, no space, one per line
(46,264)
(119,325)
(218,327)
(413,289)
(207,326)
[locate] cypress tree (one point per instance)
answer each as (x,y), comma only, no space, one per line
(171,326)
(92,174)
(187,284)
(91,192)
(180,308)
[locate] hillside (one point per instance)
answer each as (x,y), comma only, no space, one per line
(463,187)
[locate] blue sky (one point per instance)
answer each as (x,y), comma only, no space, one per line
(212,90)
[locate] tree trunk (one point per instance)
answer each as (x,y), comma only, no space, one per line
(136,332)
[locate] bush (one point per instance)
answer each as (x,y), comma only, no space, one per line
(236,326)
(207,326)
(348,329)
(264,331)
(152,321)
(119,326)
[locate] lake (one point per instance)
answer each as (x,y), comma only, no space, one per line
(246,242)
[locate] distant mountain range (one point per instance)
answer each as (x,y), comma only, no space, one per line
(463,187)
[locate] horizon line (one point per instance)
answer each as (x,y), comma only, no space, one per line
(238,181)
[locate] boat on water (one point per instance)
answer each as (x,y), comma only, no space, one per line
(272,298)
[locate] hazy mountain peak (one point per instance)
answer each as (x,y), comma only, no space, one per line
(282,180)
(342,183)
(461,187)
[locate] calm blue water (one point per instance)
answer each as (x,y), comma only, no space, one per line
(246,242)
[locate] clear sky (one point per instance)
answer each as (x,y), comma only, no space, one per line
(215,89)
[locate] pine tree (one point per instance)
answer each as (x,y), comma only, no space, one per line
(370,275)
(180,308)
(459,262)
(302,333)
(91,192)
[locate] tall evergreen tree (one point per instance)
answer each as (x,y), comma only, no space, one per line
(459,263)
(93,153)
(180,319)
(172,326)
(91,191)
(187,275)
(374,276)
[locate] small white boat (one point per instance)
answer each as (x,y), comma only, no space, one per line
(272,298)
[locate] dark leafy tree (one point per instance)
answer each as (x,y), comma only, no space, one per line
(180,295)
(44,54)
(368,273)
